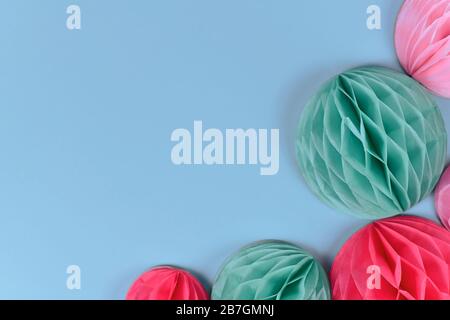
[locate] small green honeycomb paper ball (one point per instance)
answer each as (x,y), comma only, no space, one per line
(371,142)
(271,270)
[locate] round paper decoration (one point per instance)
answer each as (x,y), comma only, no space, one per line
(372,142)
(166,283)
(422,40)
(271,270)
(442,199)
(401,258)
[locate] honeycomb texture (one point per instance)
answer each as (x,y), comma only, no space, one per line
(271,271)
(412,256)
(371,142)
(422,40)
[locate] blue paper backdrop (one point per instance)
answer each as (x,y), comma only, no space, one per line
(85,123)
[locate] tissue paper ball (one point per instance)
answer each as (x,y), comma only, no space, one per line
(271,271)
(402,258)
(167,283)
(422,40)
(442,199)
(371,142)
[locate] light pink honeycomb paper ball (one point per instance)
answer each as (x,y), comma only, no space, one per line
(422,41)
(442,199)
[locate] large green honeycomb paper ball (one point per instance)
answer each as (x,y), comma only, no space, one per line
(371,142)
(271,270)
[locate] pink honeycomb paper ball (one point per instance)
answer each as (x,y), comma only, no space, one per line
(422,40)
(442,199)
(167,283)
(401,258)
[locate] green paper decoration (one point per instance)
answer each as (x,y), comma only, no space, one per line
(371,141)
(271,270)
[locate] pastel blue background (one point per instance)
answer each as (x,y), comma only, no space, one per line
(85,123)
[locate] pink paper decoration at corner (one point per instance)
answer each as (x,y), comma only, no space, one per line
(422,40)
(167,283)
(401,258)
(442,199)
